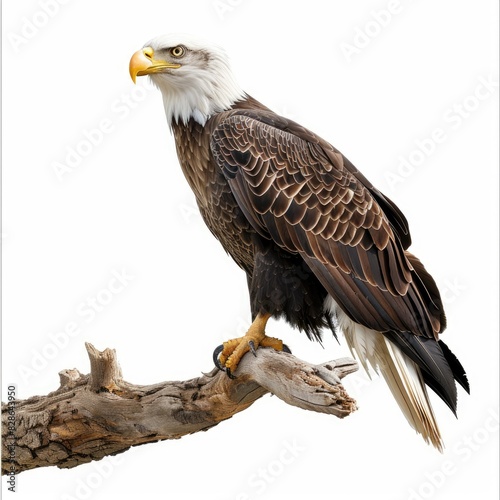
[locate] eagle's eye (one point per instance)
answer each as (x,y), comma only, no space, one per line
(177,51)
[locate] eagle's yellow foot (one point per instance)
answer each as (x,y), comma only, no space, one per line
(233,350)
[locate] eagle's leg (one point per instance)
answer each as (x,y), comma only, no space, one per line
(233,350)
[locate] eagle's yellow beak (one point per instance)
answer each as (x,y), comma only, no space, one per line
(144,63)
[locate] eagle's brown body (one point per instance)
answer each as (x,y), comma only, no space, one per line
(217,205)
(335,210)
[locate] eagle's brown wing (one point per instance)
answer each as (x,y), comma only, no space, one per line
(302,193)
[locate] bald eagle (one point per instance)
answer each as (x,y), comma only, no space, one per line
(320,245)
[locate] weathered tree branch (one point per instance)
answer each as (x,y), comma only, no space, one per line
(95,415)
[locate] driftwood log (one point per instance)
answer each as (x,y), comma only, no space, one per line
(99,414)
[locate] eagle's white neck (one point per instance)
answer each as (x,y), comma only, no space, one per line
(199,102)
(198,92)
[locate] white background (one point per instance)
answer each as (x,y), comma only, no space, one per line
(127,208)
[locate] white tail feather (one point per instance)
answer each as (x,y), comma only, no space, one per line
(402,375)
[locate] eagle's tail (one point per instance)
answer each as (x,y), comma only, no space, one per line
(403,376)
(409,363)
(407,385)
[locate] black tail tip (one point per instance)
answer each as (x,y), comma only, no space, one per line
(456,367)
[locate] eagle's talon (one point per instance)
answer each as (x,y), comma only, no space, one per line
(228,355)
(215,357)
(251,344)
(286,349)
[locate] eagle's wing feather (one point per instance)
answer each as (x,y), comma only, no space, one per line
(298,190)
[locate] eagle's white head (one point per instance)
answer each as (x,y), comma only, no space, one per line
(194,76)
